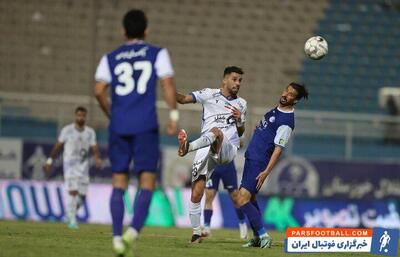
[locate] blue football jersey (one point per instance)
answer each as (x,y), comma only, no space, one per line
(132,71)
(274,129)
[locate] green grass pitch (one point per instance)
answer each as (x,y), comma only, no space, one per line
(39,239)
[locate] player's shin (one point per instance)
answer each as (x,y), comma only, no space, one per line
(242,223)
(141,209)
(205,140)
(254,217)
(207,221)
(117,210)
(194,214)
(71,210)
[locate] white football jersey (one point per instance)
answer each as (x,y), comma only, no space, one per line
(217,112)
(76,149)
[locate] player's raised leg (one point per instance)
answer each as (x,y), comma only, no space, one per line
(213,137)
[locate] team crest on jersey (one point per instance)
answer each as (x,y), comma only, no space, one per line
(271,119)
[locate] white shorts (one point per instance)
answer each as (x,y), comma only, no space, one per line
(205,161)
(77,183)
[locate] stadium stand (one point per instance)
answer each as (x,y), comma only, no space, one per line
(363,57)
(265,38)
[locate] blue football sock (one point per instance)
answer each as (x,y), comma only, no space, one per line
(254,216)
(255,232)
(255,203)
(207,217)
(141,209)
(240,215)
(117,210)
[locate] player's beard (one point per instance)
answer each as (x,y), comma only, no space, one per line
(283,100)
(234,91)
(80,123)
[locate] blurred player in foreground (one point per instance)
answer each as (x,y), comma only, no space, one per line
(226,173)
(131,71)
(222,125)
(77,139)
(265,147)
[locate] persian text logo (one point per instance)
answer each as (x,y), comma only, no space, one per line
(306,240)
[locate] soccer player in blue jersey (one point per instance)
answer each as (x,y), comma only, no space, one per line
(265,147)
(226,173)
(132,71)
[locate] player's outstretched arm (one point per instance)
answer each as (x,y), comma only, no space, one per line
(170,97)
(184,99)
(53,154)
(271,164)
(102,97)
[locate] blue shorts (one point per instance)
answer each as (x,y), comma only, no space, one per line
(250,172)
(227,173)
(143,148)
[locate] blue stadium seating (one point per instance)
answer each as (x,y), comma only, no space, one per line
(363,39)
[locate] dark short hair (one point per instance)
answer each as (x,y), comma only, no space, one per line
(302,91)
(231,69)
(80,109)
(135,23)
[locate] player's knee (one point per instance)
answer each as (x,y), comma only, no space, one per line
(217,132)
(243,198)
(235,197)
(196,198)
(120,181)
(147,178)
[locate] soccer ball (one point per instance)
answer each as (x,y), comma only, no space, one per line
(316,47)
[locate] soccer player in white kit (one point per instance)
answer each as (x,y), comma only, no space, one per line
(77,139)
(222,125)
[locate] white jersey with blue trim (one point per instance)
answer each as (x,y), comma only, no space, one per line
(217,112)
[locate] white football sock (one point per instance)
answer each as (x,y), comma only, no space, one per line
(205,140)
(71,208)
(194,214)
